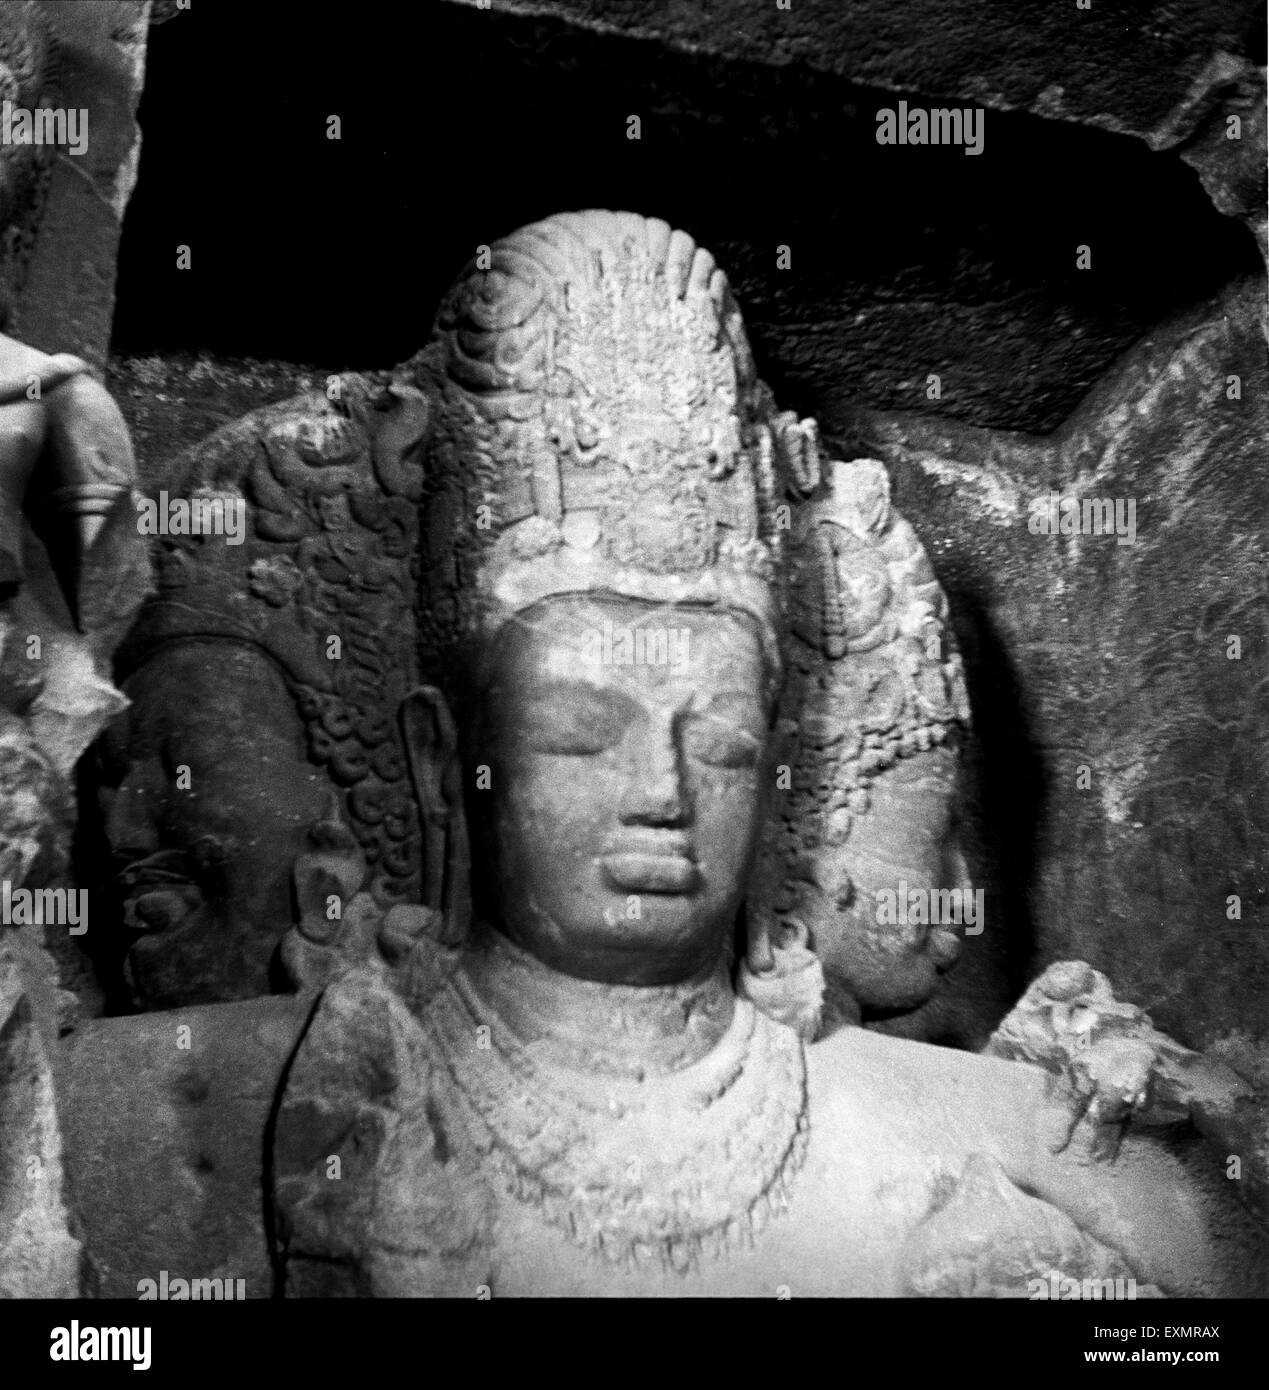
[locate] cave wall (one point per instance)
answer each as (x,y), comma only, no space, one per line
(63,208)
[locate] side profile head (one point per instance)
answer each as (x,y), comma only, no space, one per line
(602,580)
(266,677)
(877,708)
(207,796)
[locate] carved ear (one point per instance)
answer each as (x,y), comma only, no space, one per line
(399,434)
(431,744)
(314,883)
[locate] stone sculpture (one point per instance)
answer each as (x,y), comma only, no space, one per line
(70,584)
(73,573)
(876,711)
(569,1096)
(570,1056)
(272,672)
(1113,1066)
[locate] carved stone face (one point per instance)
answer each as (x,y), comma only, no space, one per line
(904,839)
(205,871)
(625,797)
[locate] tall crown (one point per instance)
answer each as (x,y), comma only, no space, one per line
(600,427)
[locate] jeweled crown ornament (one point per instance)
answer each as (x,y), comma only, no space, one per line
(600,427)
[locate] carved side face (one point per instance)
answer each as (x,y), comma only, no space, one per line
(625,797)
(904,841)
(205,869)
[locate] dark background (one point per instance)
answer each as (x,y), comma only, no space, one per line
(459,125)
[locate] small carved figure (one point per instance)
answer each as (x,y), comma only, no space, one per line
(1112,1067)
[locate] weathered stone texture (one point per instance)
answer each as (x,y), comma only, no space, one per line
(39,1256)
(1081,652)
(69,217)
(1137,75)
(904,261)
(172,1126)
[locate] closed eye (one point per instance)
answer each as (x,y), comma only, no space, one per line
(138,870)
(718,743)
(575,720)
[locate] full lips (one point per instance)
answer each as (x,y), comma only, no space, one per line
(636,872)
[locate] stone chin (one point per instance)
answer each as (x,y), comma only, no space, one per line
(883,985)
(883,971)
(186,964)
(601,935)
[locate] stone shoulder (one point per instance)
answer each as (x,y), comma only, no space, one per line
(916,1091)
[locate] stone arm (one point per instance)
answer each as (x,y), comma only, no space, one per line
(65,436)
(1025,1214)
(1111,1068)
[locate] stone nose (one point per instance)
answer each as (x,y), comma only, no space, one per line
(654,793)
(131,822)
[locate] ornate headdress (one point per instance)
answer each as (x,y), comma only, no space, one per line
(862,587)
(600,428)
(330,492)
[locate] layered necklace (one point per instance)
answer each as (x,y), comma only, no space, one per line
(656,1165)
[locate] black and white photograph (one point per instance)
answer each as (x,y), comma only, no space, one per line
(634,665)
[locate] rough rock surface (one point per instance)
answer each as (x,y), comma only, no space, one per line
(905,261)
(173,401)
(1137,75)
(68,211)
(191,1107)
(39,1256)
(1082,653)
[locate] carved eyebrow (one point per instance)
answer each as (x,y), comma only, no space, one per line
(566,692)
